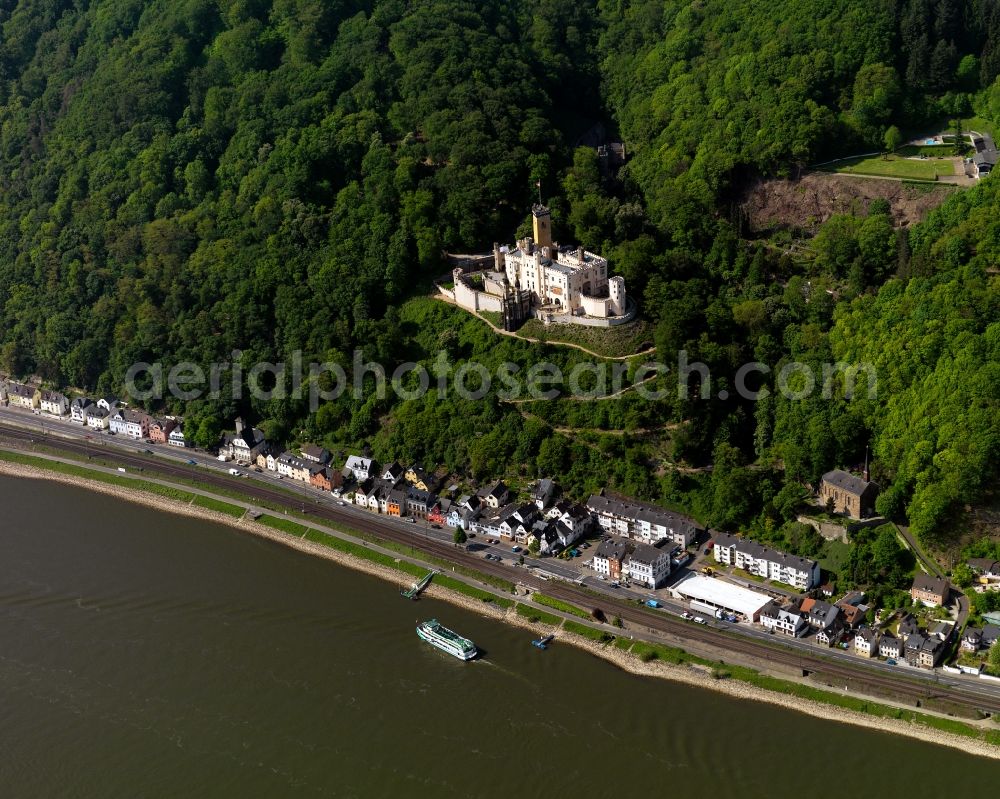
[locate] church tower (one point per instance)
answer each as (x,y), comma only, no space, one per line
(543,225)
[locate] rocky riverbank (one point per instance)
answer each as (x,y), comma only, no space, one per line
(678,673)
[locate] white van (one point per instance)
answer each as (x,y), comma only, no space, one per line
(235,472)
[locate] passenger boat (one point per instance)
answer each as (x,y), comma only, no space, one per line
(436,634)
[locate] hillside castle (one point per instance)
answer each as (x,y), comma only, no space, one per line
(538,277)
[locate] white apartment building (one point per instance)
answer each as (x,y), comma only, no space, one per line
(766,562)
(642,521)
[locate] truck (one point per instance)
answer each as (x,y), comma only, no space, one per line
(235,472)
(652,603)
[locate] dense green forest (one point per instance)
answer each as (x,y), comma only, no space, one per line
(182,179)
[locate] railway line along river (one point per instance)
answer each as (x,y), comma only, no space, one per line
(146,654)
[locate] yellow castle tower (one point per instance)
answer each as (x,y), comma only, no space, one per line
(542,219)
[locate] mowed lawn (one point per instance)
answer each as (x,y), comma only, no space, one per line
(896,167)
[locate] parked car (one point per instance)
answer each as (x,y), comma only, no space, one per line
(699,620)
(686,615)
(192,462)
(515,548)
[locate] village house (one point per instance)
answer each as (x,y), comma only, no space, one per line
(315,454)
(160,429)
(491,524)
(911,650)
(78,409)
(985,567)
(22,396)
(110,404)
(464,512)
(176,436)
(417,502)
(943,631)
(393,502)
(985,157)
(976,639)
(53,402)
(642,521)
(246,445)
(930,652)
(420,479)
(362,492)
(97,417)
(544,492)
(889,646)
(361,468)
(830,635)
(766,562)
(866,643)
(131,424)
(324,478)
(852,609)
(291,466)
(852,496)
(438,514)
(648,566)
(786,620)
(517,523)
(825,619)
(931,591)
(495,495)
(393,473)
(610,558)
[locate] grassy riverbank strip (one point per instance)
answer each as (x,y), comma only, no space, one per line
(380,558)
(640,657)
(558,604)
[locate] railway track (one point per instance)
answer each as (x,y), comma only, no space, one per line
(653,620)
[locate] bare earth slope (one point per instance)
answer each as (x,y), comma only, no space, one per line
(807,202)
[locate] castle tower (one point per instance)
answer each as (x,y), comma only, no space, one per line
(542,220)
(616,293)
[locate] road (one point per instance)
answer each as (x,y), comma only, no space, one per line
(741,638)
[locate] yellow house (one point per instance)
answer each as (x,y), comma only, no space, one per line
(419,479)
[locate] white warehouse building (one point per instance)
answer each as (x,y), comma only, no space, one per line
(708,594)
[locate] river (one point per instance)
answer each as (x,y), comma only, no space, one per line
(148,655)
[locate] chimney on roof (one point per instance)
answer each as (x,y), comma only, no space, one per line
(868,475)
